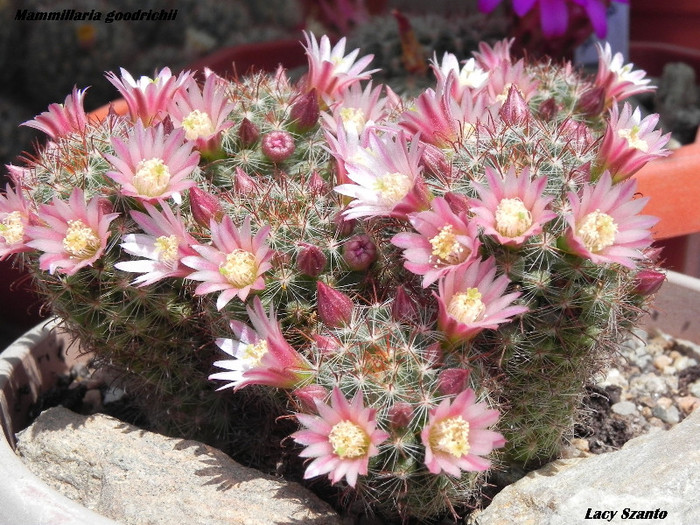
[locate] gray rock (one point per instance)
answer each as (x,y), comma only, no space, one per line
(134,476)
(654,471)
(624,408)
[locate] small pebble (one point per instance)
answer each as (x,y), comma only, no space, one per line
(624,408)
(662,361)
(687,404)
(694,388)
(649,383)
(668,415)
(615,378)
(683,362)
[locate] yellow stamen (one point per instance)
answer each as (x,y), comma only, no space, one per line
(12,228)
(254,352)
(446,247)
(466,307)
(152,177)
(392,187)
(166,248)
(240,268)
(348,440)
(451,436)
(512,217)
(633,138)
(353,118)
(80,241)
(197,124)
(597,231)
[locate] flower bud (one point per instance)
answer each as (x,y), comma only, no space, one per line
(403,307)
(648,282)
(248,133)
(548,109)
(309,394)
(325,344)
(514,109)
(316,184)
(334,307)
(452,381)
(435,161)
(305,112)
(278,145)
(359,252)
(205,207)
(311,261)
(592,102)
(345,226)
(458,203)
(243,183)
(400,415)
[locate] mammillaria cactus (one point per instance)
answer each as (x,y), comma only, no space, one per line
(425,285)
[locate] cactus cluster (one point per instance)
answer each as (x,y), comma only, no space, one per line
(422,286)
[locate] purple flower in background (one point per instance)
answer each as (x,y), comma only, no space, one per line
(554,14)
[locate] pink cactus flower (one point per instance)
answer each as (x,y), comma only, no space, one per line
(442,120)
(618,80)
(456,436)
(151,165)
(357,110)
(62,119)
(148,98)
(604,225)
(471,299)
(341,439)
(490,58)
(331,71)
(164,244)
(262,355)
(234,264)
(72,235)
(630,142)
(15,216)
(202,113)
(444,242)
(469,76)
(387,177)
(511,208)
(506,77)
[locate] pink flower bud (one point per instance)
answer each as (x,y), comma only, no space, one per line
(305,111)
(205,207)
(592,102)
(400,415)
(243,183)
(514,109)
(325,344)
(316,184)
(452,381)
(435,161)
(359,252)
(278,145)
(345,226)
(458,203)
(248,133)
(433,354)
(308,395)
(403,307)
(548,109)
(311,261)
(334,307)
(648,282)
